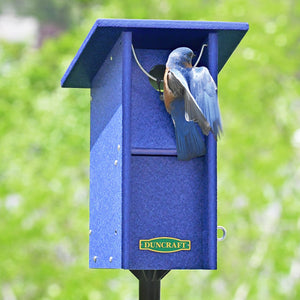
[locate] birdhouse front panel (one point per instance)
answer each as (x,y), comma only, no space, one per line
(151,125)
(169,198)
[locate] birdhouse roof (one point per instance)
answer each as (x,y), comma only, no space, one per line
(148,34)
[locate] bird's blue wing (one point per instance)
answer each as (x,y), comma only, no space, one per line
(189,141)
(193,112)
(204,90)
(181,77)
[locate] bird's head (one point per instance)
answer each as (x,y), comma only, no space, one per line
(181,56)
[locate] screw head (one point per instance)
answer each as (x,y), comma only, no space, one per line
(95,258)
(110,259)
(116,162)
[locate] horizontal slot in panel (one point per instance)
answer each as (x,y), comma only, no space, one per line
(153,152)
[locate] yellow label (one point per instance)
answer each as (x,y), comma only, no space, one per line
(165,245)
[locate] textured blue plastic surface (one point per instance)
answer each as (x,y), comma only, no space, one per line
(151,124)
(126,132)
(169,198)
(148,34)
(211,156)
(105,174)
(138,188)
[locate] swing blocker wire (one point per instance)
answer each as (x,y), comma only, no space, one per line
(201,52)
(137,61)
(152,77)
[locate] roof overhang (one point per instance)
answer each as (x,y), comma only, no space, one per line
(148,34)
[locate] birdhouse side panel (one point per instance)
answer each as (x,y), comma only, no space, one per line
(106,163)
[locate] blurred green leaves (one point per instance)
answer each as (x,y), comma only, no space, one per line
(44,166)
(64,14)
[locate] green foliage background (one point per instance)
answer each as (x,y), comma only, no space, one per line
(44,164)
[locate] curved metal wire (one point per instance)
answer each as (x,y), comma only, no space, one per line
(138,63)
(152,77)
(201,52)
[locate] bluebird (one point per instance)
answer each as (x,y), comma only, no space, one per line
(190,97)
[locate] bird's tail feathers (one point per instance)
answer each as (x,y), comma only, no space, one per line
(217,129)
(190,143)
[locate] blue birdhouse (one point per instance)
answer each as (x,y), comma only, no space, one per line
(148,210)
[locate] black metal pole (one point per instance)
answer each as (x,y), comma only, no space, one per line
(149,290)
(149,283)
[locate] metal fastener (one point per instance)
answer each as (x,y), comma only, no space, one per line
(222,238)
(110,259)
(116,162)
(90,232)
(95,258)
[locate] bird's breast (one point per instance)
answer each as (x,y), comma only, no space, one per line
(168,94)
